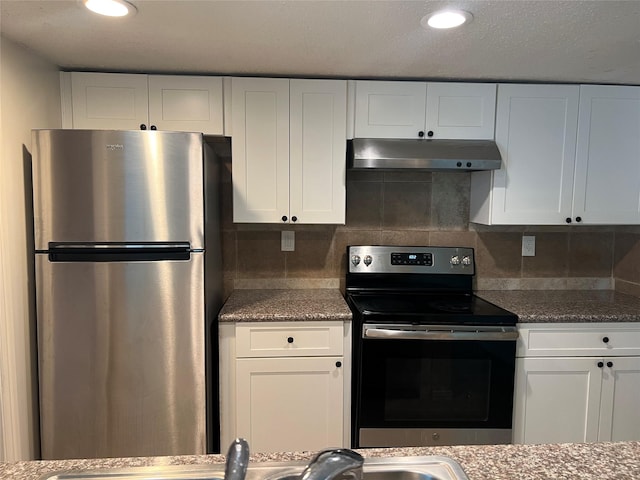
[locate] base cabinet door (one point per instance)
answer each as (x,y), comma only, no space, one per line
(557,400)
(290,404)
(620,417)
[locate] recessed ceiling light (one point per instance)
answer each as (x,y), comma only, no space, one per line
(110,8)
(446,19)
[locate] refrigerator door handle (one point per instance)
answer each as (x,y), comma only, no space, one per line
(118,252)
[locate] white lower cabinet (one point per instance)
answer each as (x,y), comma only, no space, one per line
(283,388)
(577,394)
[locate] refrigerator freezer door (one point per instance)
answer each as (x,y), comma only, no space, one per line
(117,186)
(121,358)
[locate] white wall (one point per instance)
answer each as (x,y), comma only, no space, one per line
(29,98)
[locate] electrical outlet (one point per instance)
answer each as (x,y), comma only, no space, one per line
(528,246)
(288,241)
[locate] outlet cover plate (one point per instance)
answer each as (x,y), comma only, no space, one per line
(288,241)
(528,246)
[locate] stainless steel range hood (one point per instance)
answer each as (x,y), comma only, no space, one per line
(419,154)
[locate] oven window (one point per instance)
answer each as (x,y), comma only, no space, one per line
(438,389)
(427,383)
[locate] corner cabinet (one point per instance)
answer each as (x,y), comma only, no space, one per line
(139,102)
(577,383)
(430,110)
(289,150)
(571,155)
(283,388)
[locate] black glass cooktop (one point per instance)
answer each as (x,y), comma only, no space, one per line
(426,308)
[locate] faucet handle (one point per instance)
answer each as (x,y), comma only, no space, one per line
(237,460)
(330,463)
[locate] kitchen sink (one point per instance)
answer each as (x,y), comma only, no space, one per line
(387,468)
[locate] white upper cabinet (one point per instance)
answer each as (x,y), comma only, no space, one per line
(429,110)
(535,132)
(135,101)
(184,103)
(607,179)
(289,150)
(571,156)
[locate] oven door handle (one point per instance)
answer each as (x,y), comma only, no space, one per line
(497,334)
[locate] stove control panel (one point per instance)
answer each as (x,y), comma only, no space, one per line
(397,259)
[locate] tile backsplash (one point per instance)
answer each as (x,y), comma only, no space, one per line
(424,208)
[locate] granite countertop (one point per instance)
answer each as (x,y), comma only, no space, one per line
(601,461)
(285,305)
(544,306)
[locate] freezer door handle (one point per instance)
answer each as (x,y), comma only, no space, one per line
(118,252)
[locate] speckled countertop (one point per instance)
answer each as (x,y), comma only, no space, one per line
(285,305)
(601,461)
(538,306)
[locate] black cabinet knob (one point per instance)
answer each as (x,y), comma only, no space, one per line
(143,126)
(609,364)
(290,339)
(600,364)
(338,364)
(459,164)
(578,219)
(153,127)
(430,133)
(568,220)
(294,219)
(421,134)
(605,339)
(468,164)
(284,218)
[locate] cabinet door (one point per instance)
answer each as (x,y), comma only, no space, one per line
(607,185)
(318,126)
(556,400)
(620,407)
(290,404)
(390,109)
(109,101)
(461,110)
(535,132)
(182,103)
(260,149)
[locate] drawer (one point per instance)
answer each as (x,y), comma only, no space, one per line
(579,340)
(289,339)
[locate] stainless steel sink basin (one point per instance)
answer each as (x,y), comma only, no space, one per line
(387,468)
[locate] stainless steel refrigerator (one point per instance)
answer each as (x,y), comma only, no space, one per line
(128,288)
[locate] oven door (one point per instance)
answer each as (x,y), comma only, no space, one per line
(433,385)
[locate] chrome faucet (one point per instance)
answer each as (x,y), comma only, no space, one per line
(330,464)
(237,460)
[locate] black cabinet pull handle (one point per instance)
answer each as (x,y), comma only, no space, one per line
(605,339)
(609,364)
(578,219)
(421,134)
(430,133)
(290,339)
(284,218)
(294,219)
(153,127)
(568,220)
(600,364)
(338,364)
(143,126)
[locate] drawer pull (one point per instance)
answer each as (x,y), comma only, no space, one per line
(609,364)
(338,364)
(605,339)
(290,339)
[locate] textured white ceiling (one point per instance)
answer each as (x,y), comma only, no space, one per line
(544,40)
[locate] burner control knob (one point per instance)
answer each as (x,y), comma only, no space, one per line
(368,260)
(455,260)
(466,260)
(355,259)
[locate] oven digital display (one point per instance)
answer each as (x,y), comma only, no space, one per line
(424,259)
